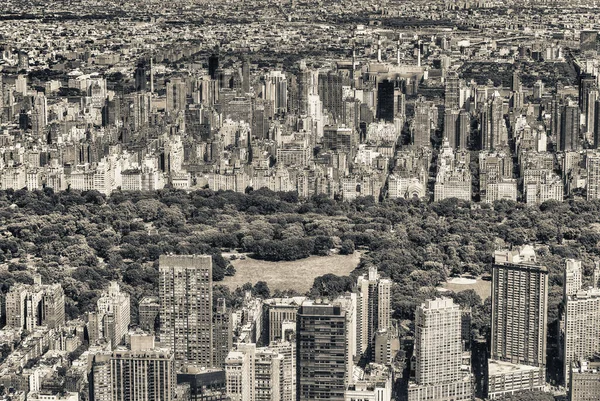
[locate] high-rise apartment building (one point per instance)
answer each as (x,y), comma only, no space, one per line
(321,352)
(30,306)
(113,315)
(519,323)
(438,354)
(185,288)
(519,307)
(592,164)
(222,333)
(278,311)
(438,345)
(585,380)
(138,375)
(373,309)
(573,277)
(581,318)
(581,328)
(260,374)
(148,312)
(287,348)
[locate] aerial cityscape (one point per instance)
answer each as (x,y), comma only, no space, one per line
(299,200)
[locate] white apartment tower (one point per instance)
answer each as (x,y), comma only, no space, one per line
(114,314)
(373,308)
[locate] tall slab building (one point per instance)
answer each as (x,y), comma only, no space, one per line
(373,309)
(185,286)
(322,352)
(519,323)
(519,308)
(439,371)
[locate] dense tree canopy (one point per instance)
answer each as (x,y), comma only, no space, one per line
(83,240)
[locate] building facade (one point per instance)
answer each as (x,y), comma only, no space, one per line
(186,310)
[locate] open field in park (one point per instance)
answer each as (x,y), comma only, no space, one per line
(482,288)
(297,275)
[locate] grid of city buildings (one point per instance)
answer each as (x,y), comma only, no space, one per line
(195,100)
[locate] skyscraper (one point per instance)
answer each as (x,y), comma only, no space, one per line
(385,100)
(330,91)
(452,92)
(373,309)
(588,93)
(519,308)
(39,114)
(213,65)
(222,333)
(185,288)
(176,95)
(464,129)
(425,116)
(519,323)
(140,76)
(569,128)
(438,354)
(494,133)
(276,91)
(245,76)
(515,83)
(452,126)
(322,352)
(596,129)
